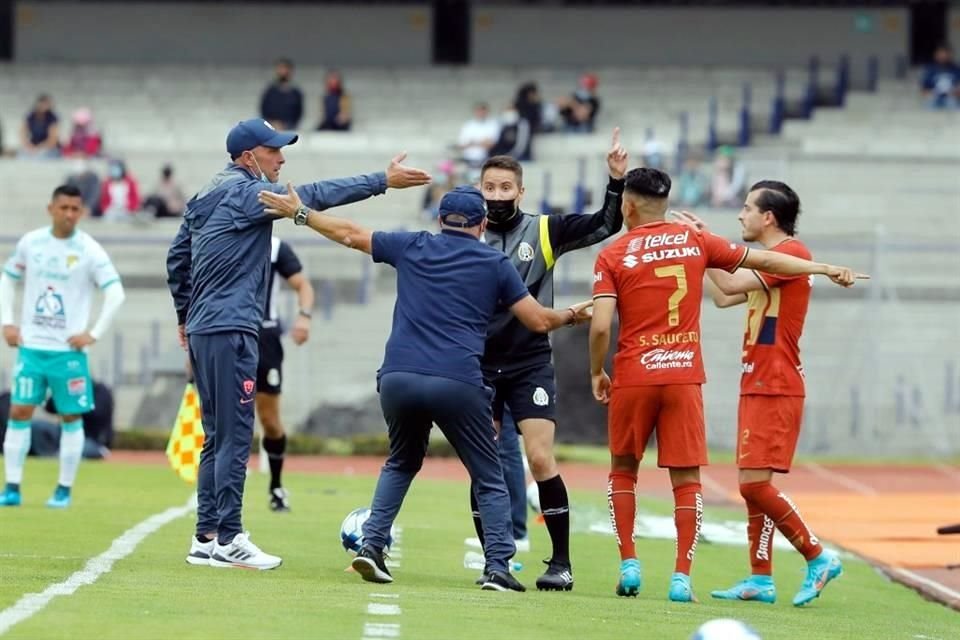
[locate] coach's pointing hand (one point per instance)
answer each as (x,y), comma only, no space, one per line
(400,176)
(281,204)
(582,311)
(844,276)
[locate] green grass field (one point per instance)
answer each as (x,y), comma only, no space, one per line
(153,593)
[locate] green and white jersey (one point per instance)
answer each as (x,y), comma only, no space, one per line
(60,277)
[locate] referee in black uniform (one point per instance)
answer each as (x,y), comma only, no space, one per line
(284,263)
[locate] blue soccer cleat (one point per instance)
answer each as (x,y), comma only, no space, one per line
(680,589)
(754,589)
(630,578)
(820,571)
(60,498)
(10,497)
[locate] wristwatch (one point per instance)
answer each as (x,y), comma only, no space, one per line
(300,217)
(305,314)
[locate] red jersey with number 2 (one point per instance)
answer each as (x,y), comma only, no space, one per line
(655,271)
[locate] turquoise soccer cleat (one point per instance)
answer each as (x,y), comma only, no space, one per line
(754,589)
(680,589)
(820,571)
(10,498)
(60,498)
(630,578)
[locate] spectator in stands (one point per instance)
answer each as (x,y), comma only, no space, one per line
(445,180)
(579,110)
(477,136)
(84,178)
(653,152)
(728,183)
(530,107)
(120,194)
(691,186)
(516,136)
(941,80)
(282,101)
(40,133)
(337,109)
(168,199)
(85,139)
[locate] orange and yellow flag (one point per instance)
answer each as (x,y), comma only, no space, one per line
(186,439)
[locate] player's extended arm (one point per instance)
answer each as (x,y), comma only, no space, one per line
(783,264)
(541,319)
(178,272)
(730,289)
(340,230)
(604,308)
(339,191)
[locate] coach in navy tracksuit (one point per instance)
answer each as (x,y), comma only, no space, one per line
(448,287)
(217,270)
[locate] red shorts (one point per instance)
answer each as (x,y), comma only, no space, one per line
(674,411)
(767,431)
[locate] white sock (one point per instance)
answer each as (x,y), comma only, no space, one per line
(71,450)
(16,445)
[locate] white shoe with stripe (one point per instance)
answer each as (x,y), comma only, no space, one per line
(241,553)
(200,552)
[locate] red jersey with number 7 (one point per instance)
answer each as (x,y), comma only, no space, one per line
(655,271)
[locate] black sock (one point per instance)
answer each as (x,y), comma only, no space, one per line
(555,507)
(275,449)
(203,539)
(475,511)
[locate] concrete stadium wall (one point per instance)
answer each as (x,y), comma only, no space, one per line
(688,36)
(501,35)
(221,33)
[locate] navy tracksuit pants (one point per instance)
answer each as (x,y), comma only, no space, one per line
(225,370)
(411,404)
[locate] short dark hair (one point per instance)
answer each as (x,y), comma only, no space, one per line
(68,190)
(647,183)
(503,162)
(780,200)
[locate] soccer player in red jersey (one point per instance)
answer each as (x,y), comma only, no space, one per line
(653,278)
(771,393)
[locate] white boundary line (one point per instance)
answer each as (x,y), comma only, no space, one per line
(33,603)
(841,479)
(933,584)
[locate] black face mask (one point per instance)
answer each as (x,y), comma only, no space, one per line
(499,211)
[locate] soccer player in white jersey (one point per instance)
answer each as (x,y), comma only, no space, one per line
(61,267)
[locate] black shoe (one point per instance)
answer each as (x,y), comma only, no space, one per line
(558,577)
(481,580)
(501,581)
(279,500)
(371,567)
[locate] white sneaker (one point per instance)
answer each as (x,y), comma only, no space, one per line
(200,552)
(522,544)
(241,553)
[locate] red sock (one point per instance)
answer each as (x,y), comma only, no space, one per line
(785,515)
(622,499)
(687,515)
(760,531)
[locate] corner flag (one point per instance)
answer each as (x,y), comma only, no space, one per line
(186,439)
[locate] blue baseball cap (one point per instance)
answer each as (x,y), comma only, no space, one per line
(256,132)
(464,201)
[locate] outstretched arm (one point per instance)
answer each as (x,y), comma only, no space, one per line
(783,264)
(541,319)
(340,191)
(340,230)
(571,232)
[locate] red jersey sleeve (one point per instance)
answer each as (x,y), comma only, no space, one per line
(604,284)
(790,247)
(723,254)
